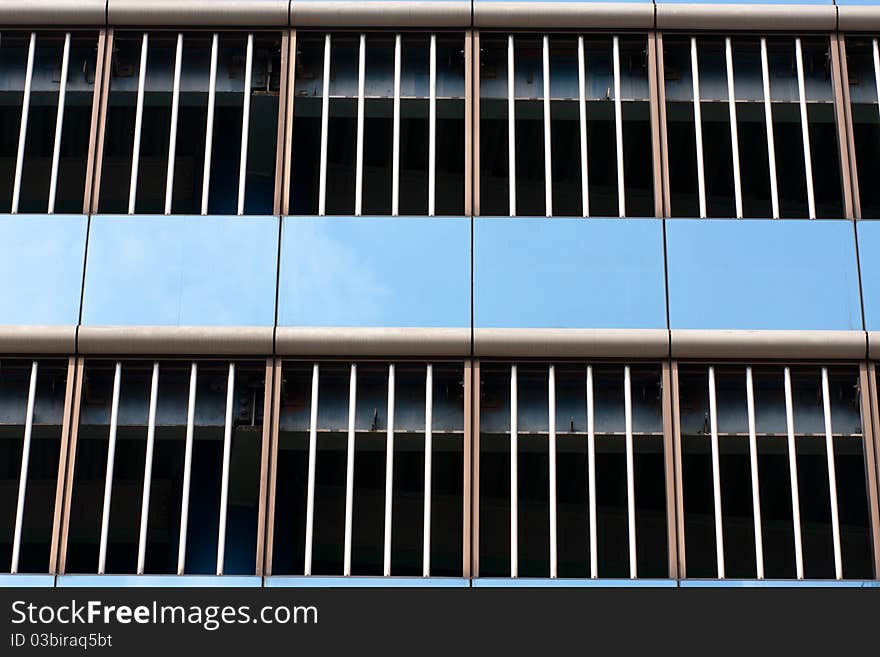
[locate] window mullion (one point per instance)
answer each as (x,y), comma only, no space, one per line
(209,127)
(768,121)
(389,473)
(25,461)
(698,127)
(310,490)
(59,124)
(22,133)
(832,475)
(429,421)
(793,477)
(716,475)
(138,126)
(108,476)
(805,128)
(734,128)
(582,120)
(753,467)
(245,123)
(349,469)
(187,467)
(224,481)
(172,135)
(148,470)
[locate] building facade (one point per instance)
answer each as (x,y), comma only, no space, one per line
(439,292)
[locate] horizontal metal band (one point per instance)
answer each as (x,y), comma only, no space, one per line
(768,344)
(163,581)
(37,340)
(198,13)
(52,13)
(381,13)
(730,17)
(564,15)
(344,341)
(176,340)
(438,342)
(571,343)
(855,18)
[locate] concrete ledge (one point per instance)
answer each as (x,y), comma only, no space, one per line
(768,344)
(564,15)
(27,581)
(51,13)
(344,341)
(571,343)
(855,18)
(283,581)
(541,582)
(37,340)
(381,13)
(176,340)
(160,581)
(198,13)
(777,583)
(728,17)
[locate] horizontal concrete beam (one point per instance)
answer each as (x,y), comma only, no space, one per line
(438,342)
(198,13)
(858,18)
(344,341)
(797,345)
(453,14)
(176,340)
(874,345)
(37,340)
(381,13)
(53,13)
(564,15)
(731,17)
(571,343)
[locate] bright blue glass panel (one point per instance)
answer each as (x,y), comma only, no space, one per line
(41,265)
(869,260)
(181,271)
(375,271)
(762,274)
(568,273)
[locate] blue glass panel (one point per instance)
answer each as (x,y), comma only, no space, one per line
(762,274)
(41,264)
(181,271)
(858,2)
(375,271)
(568,273)
(869,260)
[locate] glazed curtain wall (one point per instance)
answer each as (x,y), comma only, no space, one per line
(418,125)
(651,472)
